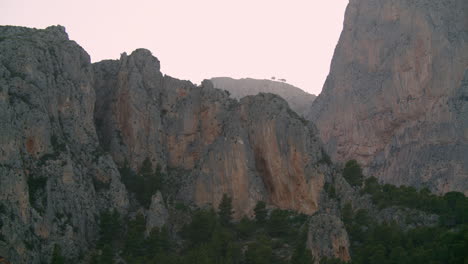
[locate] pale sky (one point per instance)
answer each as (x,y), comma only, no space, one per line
(198,39)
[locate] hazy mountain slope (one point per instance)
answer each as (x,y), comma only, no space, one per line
(396,95)
(297,99)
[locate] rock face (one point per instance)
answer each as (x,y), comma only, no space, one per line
(253,149)
(327,237)
(51,164)
(396,95)
(297,99)
(67,126)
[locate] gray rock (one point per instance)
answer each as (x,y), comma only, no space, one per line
(67,125)
(395,98)
(327,237)
(50,160)
(157,214)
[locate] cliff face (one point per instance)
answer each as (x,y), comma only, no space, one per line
(255,149)
(297,99)
(67,126)
(396,95)
(50,158)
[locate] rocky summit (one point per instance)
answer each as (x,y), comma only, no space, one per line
(396,96)
(297,99)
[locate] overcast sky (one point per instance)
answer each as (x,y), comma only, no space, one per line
(198,39)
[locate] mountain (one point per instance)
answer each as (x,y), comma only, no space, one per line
(80,140)
(396,96)
(297,99)
(252,149)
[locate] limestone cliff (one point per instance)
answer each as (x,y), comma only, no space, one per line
(50,159)
(396,95)
(67,126)
(252,149)
(297,99)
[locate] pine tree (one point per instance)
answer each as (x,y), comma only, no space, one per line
(225,210)
(352,172)
(260,212)
(57,257)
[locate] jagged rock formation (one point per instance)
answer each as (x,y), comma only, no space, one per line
(297,99)
(50,162)
(327,237)
(67,126)
(255,149)
(396,95)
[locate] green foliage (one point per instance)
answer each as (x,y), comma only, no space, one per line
(225,210)
(452,207)
(57,257)
(373,242)
(202,226)
(352,172)
(330,190)
(36,187)
(278,224)
(302,255)
(326,260)
(144,184)
(245,227)
(135,238)
(158,242)
(259,252)
(105,256)
(260,212)
(205,239)
(58,147)
(110,226)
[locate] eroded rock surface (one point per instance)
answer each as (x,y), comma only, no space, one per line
(327,237)
(54,179)
(396,95)
(67,126)
(253,149)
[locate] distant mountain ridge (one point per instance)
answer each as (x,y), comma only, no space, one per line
(298,99)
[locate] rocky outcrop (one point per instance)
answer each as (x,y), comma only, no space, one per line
(253,149)
(67,126)
(54,178)
(327,237)
(297,99)
(396,95)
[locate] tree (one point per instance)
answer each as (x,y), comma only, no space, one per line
(278,224)
(245,227)
(302,255)
(225,210)
(259,252)
(260,212)
(201,227)
(57,257)
(135,238)
(352,172)
(110,227)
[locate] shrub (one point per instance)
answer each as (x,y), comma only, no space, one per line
(352,172)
